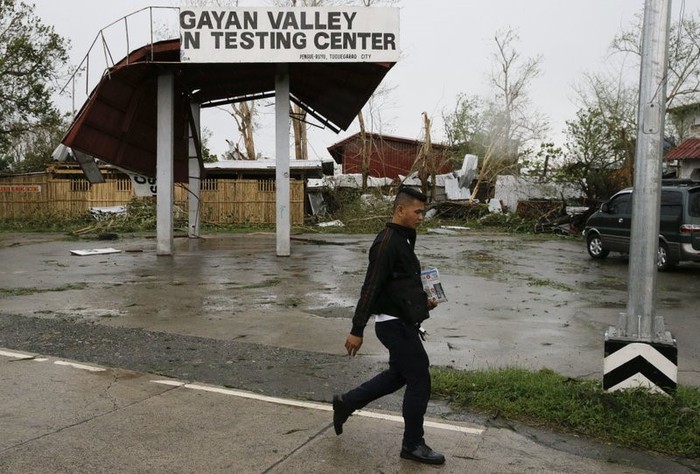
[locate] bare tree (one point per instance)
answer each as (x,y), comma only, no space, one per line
(243,112)
(365,149)
(301,142)
(511,77)
(369,148)
(497,150)
(425,161)
(244,115)
(509,121)
(496,128)
(683,85)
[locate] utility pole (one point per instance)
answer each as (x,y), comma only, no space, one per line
(640,352)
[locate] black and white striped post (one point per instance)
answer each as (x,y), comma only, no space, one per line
(628,364)
(640,352)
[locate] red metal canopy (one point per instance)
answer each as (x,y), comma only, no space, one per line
(117,123)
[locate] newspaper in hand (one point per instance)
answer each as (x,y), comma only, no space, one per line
(432,285)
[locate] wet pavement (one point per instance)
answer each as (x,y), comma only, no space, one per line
(512,300)
(225,311)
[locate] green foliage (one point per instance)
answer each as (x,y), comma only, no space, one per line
(45,222)
(599,152)
(34,149)
(31,58)
(632,418)
(464,126)
(207,156)
(543,163)
(140,216)
(507,221)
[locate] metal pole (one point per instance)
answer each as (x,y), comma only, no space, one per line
(164,163)
(282,128)
(641,302)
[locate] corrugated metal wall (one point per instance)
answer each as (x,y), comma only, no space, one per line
(389,158)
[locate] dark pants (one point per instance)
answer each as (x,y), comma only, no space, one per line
(409,366)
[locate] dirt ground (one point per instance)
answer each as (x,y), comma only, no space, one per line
(513,300)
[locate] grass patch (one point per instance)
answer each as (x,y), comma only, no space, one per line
(45,222)
(633,418)
(481,262)
(6,292)
(607,283)
(550,283)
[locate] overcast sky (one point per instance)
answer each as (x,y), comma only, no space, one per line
(446,45)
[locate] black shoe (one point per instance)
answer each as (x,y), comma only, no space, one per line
(422,453)
(340,414)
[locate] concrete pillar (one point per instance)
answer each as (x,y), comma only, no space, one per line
(165,147)
(194,195)
(282,129)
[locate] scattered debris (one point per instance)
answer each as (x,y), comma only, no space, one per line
(100,213)
(463,210)
(443,231)
(495,206)
(317,241)
(335,223)
(84,252)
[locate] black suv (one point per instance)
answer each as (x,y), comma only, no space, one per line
(608,229)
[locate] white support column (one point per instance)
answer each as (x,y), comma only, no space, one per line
(194,176)
(164,163)
(282,128)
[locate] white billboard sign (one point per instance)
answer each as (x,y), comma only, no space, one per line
(289,35)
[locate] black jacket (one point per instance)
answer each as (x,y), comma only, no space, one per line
(391,258)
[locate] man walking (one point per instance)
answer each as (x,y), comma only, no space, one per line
(393,293)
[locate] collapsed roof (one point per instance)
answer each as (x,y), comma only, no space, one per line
(117,123)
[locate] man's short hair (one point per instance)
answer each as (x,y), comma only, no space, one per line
(406,194)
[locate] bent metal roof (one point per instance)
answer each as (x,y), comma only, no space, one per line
(117,123)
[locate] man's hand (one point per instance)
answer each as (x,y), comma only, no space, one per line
(353,344)
(432,303)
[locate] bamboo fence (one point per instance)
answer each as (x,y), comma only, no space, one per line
(222,201)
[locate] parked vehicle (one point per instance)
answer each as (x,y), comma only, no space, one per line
(608,229)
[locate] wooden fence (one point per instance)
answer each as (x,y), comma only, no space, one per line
(223,201)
